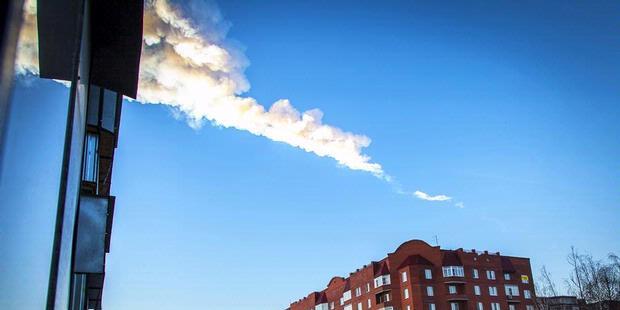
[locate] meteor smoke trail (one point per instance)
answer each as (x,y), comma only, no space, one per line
(193,70)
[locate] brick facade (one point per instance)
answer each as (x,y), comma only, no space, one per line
(401,282)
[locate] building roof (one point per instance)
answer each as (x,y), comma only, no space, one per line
(451,258)
(347,285)
(415,260)
(380,268)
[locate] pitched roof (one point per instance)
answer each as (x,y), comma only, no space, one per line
(451,258)
(321,298)
(415,260)
(380,268)
(347,285)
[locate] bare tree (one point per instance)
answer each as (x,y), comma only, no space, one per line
(575,279)
(594,280)
(546,286)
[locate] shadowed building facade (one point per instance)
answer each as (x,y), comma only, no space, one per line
(423,277)
(95,46)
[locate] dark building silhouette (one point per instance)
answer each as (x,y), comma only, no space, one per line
(423,277)
(604,305)
(95,45)
(559,303)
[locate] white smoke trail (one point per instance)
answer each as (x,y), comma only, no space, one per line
(192,70)
(27,59)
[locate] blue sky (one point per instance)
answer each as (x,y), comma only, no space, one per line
(512,109)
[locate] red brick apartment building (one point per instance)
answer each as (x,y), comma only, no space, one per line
(418,276)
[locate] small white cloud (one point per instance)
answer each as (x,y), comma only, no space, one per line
(459,205)
(427,197)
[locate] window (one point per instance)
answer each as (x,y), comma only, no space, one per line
(527,294)
(477,290)
(475,273)
(406,293)
(408,307)
(431,306)
(495,306)
(404,276)
(369,303)
(331,305)
(525,279)
(382,297)
(529,307)
(454,306)
(108,113)
(346,295)
(358,291)
(490,274)
(506,276)
(479,306)
(512,290)
(428,274)
(453,271)
(367,287)
(452,289)
(492,290)
(382,280)
(429,291)
(91,159)
(359,306)
(512,307)
(92,110)
(321,306)
(348,307)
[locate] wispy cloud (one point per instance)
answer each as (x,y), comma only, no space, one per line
(427,197)
(459,205)
(195,70)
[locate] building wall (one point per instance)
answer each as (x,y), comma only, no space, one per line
(413,258)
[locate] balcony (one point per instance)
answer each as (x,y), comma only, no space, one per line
(453,272)
(513,299)
(386,305)
(383,288)
(454,280)
(457,297)
(383,299)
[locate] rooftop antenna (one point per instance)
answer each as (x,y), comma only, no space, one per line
(436,241)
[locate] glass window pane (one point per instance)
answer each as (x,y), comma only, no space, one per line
(108,116)
(93,106)
(90,158)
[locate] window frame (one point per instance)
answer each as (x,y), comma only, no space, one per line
(428,274)
(431,290)
(491,275)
